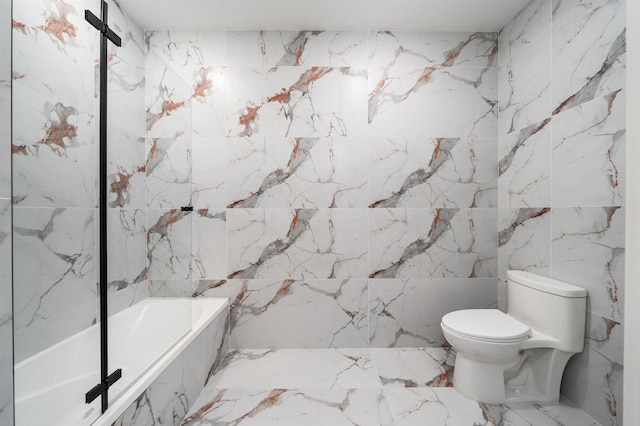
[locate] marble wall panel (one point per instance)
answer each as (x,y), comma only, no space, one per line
(6,308)
(589,49)
(126,112)
(432,172)
(168,172)
(126,248)
(587,249)
(297,48)
(524,167)
(589,153)
(169,244)
(421,49)
(298,313)
(418,243)
(53,150)
(526,27)
(297,172)
(208,248)
(168,102)
(407,312)
(525,85)
(594,377)
(301,243)
(404,101)
(523,240)
(209,173)
(296,102)
(54,262)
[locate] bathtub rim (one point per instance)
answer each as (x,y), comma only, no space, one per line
(211,308)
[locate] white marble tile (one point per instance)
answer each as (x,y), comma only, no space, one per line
(297,48)
(589,51)
(524,167)
(298,314)
(441,102)
(281,407)
(302,243)
(53,150)
(589,153)
(596,384)
(67,321)
(126,247)
(6,308)
(593,378)
(210,288)
(421,48)
(434,406)
(169,244)
(208,102)
(169,397)
(126,113)
(5,134)
(297,172)
(407,313)
(170,288)
(528,25)
(296,102)
(468,247)
(208,242)
(54,50)
(587,249)
(121,299)
(432,172)
(562,7)
(563,414)
(524,238)
(169,172)
(168,102)
(54,262)
(209,173)
(289,369)
(417,243)
(399,240)
(188,51)
(414,367)
(525,86)
(215,344)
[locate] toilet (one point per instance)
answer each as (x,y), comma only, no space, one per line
(518,356)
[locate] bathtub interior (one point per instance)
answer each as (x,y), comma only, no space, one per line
(51,385)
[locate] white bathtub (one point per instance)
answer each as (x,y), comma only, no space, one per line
(143,340)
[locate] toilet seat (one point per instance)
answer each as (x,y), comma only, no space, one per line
(486,325)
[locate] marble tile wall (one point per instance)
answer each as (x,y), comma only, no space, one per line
(344,185)
(55,163)
(562,173)
(6,308)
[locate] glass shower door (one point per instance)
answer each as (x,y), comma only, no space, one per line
(54,110)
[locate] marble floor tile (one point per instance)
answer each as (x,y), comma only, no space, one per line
(371,387)
(414,367)
(293,407)
(297,369)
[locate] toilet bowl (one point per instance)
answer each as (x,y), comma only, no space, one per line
(518,356)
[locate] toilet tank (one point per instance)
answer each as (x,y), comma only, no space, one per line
(552,307)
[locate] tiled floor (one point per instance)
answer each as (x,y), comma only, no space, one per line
(368,387)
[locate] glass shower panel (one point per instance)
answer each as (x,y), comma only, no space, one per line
(57,351)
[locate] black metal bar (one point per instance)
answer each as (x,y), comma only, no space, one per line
(106,380)
(104,340)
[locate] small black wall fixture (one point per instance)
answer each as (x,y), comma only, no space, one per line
(106,380)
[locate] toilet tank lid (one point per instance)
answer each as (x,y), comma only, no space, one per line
(546,284)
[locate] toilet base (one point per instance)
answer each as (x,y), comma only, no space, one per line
(533,377)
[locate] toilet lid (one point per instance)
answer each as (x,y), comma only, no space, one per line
(488,325)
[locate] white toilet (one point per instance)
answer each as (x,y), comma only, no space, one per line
(518,356)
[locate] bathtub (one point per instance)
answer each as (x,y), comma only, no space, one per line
(143,340)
